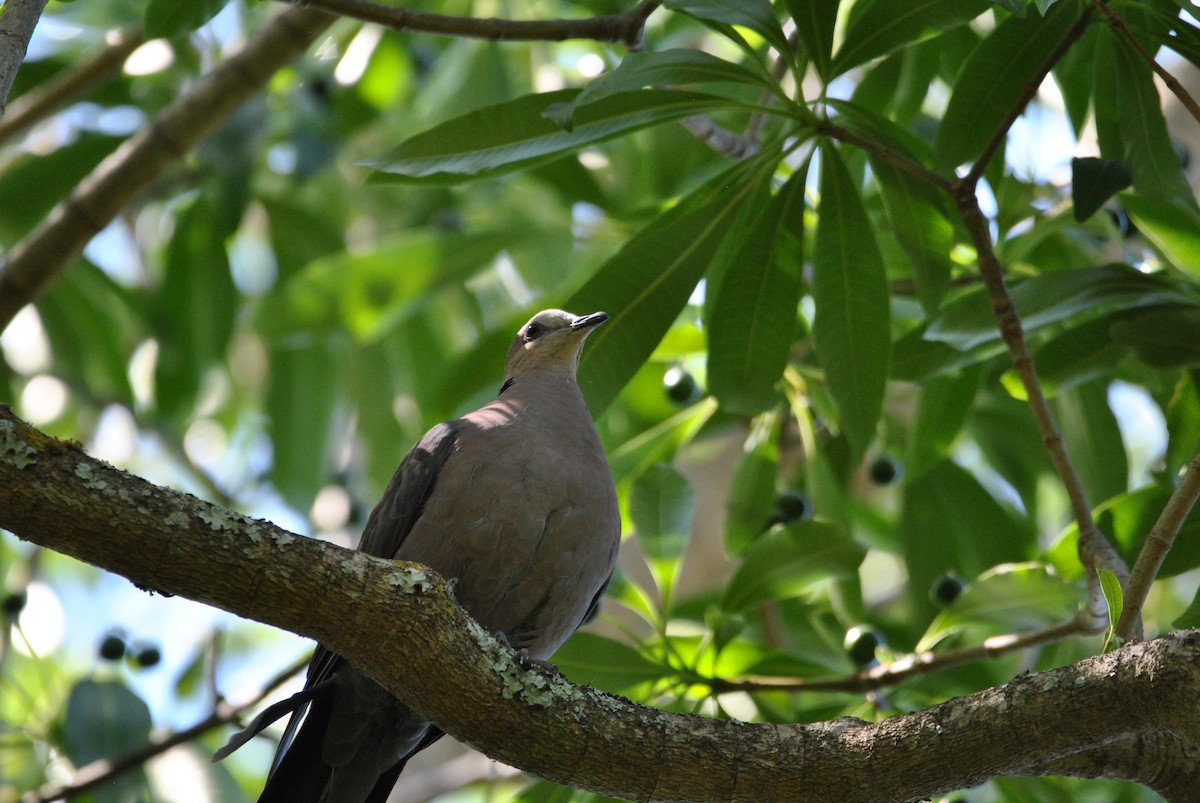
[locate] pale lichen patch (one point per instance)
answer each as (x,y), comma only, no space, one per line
(90,481)
(177,518)
(13,449)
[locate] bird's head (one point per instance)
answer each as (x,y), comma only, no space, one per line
(551,340)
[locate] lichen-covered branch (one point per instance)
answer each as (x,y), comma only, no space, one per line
(437,659)
(38,259)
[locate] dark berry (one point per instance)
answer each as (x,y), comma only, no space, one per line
(146,655)
(946,589)
(791,506)
(112,647)
(861,643)
(884,471)
(14,604)
(680,385)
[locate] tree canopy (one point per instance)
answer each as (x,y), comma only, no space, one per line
(899,390)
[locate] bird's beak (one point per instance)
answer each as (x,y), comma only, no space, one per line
(588,321)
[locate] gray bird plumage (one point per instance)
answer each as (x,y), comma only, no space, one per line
(515,502)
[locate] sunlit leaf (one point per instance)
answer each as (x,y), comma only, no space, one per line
(1172,226)
(877,27)
(789,562)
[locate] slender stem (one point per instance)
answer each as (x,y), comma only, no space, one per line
(887,154)
(625,28)
(40,102)
(1094,549)
(1118,24)
(910,666)
(1158,543)
(1028,91)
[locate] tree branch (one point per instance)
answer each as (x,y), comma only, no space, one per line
(37,260)
(437,659)
(38,103)
(1154,550)
(17,22)
(624,28)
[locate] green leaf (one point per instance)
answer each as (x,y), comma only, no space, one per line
(1129,116)
(1007,599)
(1050,298)
(877,27)
(1162,337)
(644,286)
(173,18)
(93,325)
(606,664)
(1127,519)
(195,307)
(851,330)
(661,503)
(517,135)
(1183,424)
(1172,226)
(950,522)
(1093,439)
(367,294)
(751,492)
(1094,181)
(991,81)
(1191,617)
(790,562)
(815,21)
(659,68)
(752,319)
(303,389)
(942,409)
(757,15)
(1111,587)
(105,720)
(924,233)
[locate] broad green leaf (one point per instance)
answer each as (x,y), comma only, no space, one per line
(196,306)
(302,394)
(924,233)
(172,18)
(105,720)
(1172,226)
(789,562)
(877,27)
(991,81)
(1183,423)
(1191,617)
(757,15)
(1093,439)
(1127,519)
(851,330)
(950,523)
(752,318)
(660,441)
(942,409)
(1094,181)
(1111,587)
(1162,337)
(1050,298)
(659,68)
(1081,353)
(609,665)
(371,293)
(1128,114)
(815,21)
(517,135)
(644,286)
(42,180)
(1007,599)
(751,491)
(661,504)
(93,324)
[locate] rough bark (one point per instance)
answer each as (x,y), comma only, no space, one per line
(1128,714)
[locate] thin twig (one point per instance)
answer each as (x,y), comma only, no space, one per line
(1094,550)
(886,154)
(625,28)
(42,101)
(1118,24)
(1158,543)
(103,771)
(18,18)
(1028,91)
(923,663)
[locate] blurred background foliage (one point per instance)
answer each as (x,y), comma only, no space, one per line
(822,453)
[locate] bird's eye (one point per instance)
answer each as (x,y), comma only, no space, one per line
(533,332)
